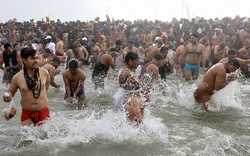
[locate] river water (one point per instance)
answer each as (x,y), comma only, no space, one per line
(169,128)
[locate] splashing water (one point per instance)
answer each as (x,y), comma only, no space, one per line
(83,128)
(168,127)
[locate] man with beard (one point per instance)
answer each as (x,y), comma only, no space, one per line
(33,83)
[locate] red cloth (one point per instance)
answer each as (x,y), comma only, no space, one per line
(35,116)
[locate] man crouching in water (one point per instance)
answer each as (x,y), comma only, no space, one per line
(132,99)
(74,78)
(214,80)
(33,83)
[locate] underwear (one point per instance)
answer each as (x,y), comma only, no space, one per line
(35,116)
(194,68)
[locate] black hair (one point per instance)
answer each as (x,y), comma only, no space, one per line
(164,49)
(7,45)
(131,56)
(73,64)
(27,52)
(56,60)
(234,62)
(158,56)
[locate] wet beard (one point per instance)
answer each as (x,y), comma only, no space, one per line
(33,82)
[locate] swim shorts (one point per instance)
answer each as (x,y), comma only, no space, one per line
(194,68)
(35,116)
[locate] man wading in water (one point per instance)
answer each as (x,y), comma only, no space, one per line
(74,78)
(33,83)
(129,99)
(214,80)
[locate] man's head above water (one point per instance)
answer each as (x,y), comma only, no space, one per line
(132,60)
(73,66)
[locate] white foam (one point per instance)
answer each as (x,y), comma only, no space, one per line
(110,126)
(227,98)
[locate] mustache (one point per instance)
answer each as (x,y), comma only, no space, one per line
(35,63)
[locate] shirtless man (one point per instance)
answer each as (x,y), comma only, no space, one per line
(244,53)
(11,63)
(220,51)
(167,64)
(51,67)
(180,58)
(214,80)
(193,55)
(206,53)
(101,67)
(59,47)
(33,83)
(74,78)
(155,48)
(81,53)
(150,74)
(132,99)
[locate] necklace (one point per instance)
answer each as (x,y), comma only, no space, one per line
(33,82)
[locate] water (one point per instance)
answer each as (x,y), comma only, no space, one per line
(169,128)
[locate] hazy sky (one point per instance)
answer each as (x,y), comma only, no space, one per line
(127,9)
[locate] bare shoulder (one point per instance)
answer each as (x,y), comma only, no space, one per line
(106,56)
(81,72)
(66,72)
(241,50)
(152,67)
(17,76)
(220,69)
(47,66)
(44,71)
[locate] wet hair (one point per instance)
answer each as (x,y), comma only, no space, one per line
(234,62)
(73,64)
(158,57)
(27,52)
(56,60)
(7,45)
(131,56)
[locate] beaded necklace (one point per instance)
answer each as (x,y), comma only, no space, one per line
(33,82)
